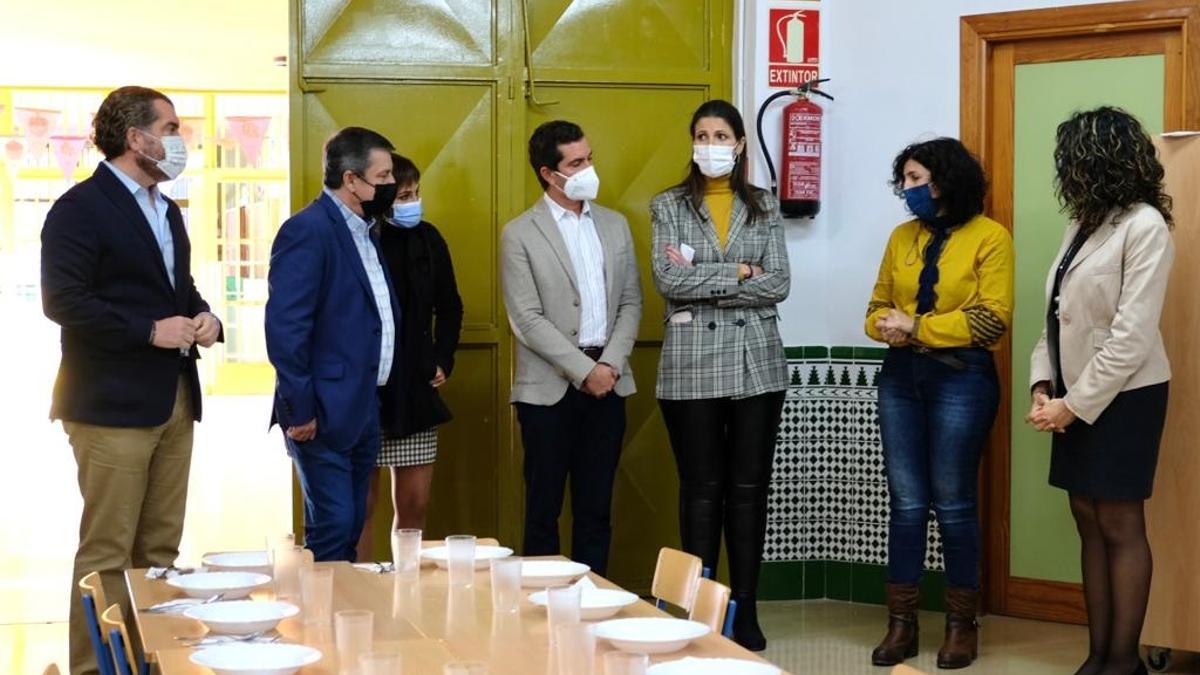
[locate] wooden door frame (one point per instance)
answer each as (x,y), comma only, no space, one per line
(988,43)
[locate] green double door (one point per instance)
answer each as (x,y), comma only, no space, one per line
(458,86)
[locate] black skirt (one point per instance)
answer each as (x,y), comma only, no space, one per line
(1114,458)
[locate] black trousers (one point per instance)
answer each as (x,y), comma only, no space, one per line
(724,449)
(578,438)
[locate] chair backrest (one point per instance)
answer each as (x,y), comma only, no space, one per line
(676,576)
(711,604)
(906,670)
(91,585)
(91,595)
(113,625)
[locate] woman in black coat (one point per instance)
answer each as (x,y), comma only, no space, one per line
(431,310)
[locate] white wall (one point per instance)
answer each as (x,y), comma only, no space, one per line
(894,71)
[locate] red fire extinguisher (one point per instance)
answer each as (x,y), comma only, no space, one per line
(799,182)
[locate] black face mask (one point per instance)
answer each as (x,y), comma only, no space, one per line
(381,203)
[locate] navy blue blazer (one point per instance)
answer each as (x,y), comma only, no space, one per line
(105,284)
(323,326)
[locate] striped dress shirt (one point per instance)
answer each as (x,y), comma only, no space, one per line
(587,257)
(360,233)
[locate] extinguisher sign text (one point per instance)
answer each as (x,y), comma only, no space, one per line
(794,53)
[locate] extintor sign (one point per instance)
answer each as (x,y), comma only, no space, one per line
(793,57)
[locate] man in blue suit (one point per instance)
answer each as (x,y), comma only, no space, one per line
(116,276)
(331,332)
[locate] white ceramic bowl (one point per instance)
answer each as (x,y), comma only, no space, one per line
(594,603)
(440,555)
(649,635)
(695,666)
(256,659)
(241,617)
(238,561)
(543,573)
(234,585)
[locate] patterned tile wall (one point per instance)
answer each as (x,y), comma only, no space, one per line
(829,495)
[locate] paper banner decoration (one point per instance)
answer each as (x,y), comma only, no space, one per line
(38,125)
(192,130)
(14,152)
(67,151)
(249,131)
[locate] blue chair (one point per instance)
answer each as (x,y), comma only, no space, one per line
(91,594)
(118,640)
(727,629)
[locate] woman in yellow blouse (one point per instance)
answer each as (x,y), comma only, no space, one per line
(942,301)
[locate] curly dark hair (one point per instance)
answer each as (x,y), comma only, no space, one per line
(1104,160)
(953,169)
(124,108)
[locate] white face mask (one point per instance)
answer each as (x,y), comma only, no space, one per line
(176,157)
(714,161)
(583,185)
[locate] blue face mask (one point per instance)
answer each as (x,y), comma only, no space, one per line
(407,214)
(921,203)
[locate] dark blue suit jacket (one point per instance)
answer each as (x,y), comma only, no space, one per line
(323,327)
(104,282)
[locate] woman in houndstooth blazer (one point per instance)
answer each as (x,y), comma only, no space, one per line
(720,262)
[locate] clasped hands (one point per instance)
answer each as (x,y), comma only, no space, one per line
(1048,414)
(180,332)
(896,327)
(601,380)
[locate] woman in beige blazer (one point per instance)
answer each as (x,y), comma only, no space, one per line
(1099,372)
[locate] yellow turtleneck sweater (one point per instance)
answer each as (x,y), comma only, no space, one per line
(718,197)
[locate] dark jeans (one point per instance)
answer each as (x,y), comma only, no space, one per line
(579,437)
(934,420)
(724,449)
(334,482)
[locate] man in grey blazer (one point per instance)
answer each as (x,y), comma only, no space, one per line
(574,301)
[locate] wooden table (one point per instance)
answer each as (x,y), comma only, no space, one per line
(426,620)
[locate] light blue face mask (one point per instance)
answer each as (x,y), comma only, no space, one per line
(407,214)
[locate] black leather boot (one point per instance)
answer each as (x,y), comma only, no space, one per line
(745,530)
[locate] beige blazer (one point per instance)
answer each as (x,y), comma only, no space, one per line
(1109,306)
(542,299)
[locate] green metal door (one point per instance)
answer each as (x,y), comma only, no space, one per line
(449,83)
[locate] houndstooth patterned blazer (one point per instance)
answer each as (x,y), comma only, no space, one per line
(722,335)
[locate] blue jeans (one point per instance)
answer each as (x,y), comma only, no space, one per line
(934,420)
(335,482)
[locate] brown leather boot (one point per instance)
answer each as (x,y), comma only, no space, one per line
(901,640)
(962,631)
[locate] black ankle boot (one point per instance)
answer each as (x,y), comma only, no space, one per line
(745,623)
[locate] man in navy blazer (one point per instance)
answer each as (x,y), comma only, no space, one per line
(331,334)
(116,277)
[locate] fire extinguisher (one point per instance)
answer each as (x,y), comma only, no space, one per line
(798,185)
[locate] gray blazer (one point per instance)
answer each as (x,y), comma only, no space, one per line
(722,335)
(1108,311)
(542,299)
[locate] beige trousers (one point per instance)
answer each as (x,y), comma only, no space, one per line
(134,485)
